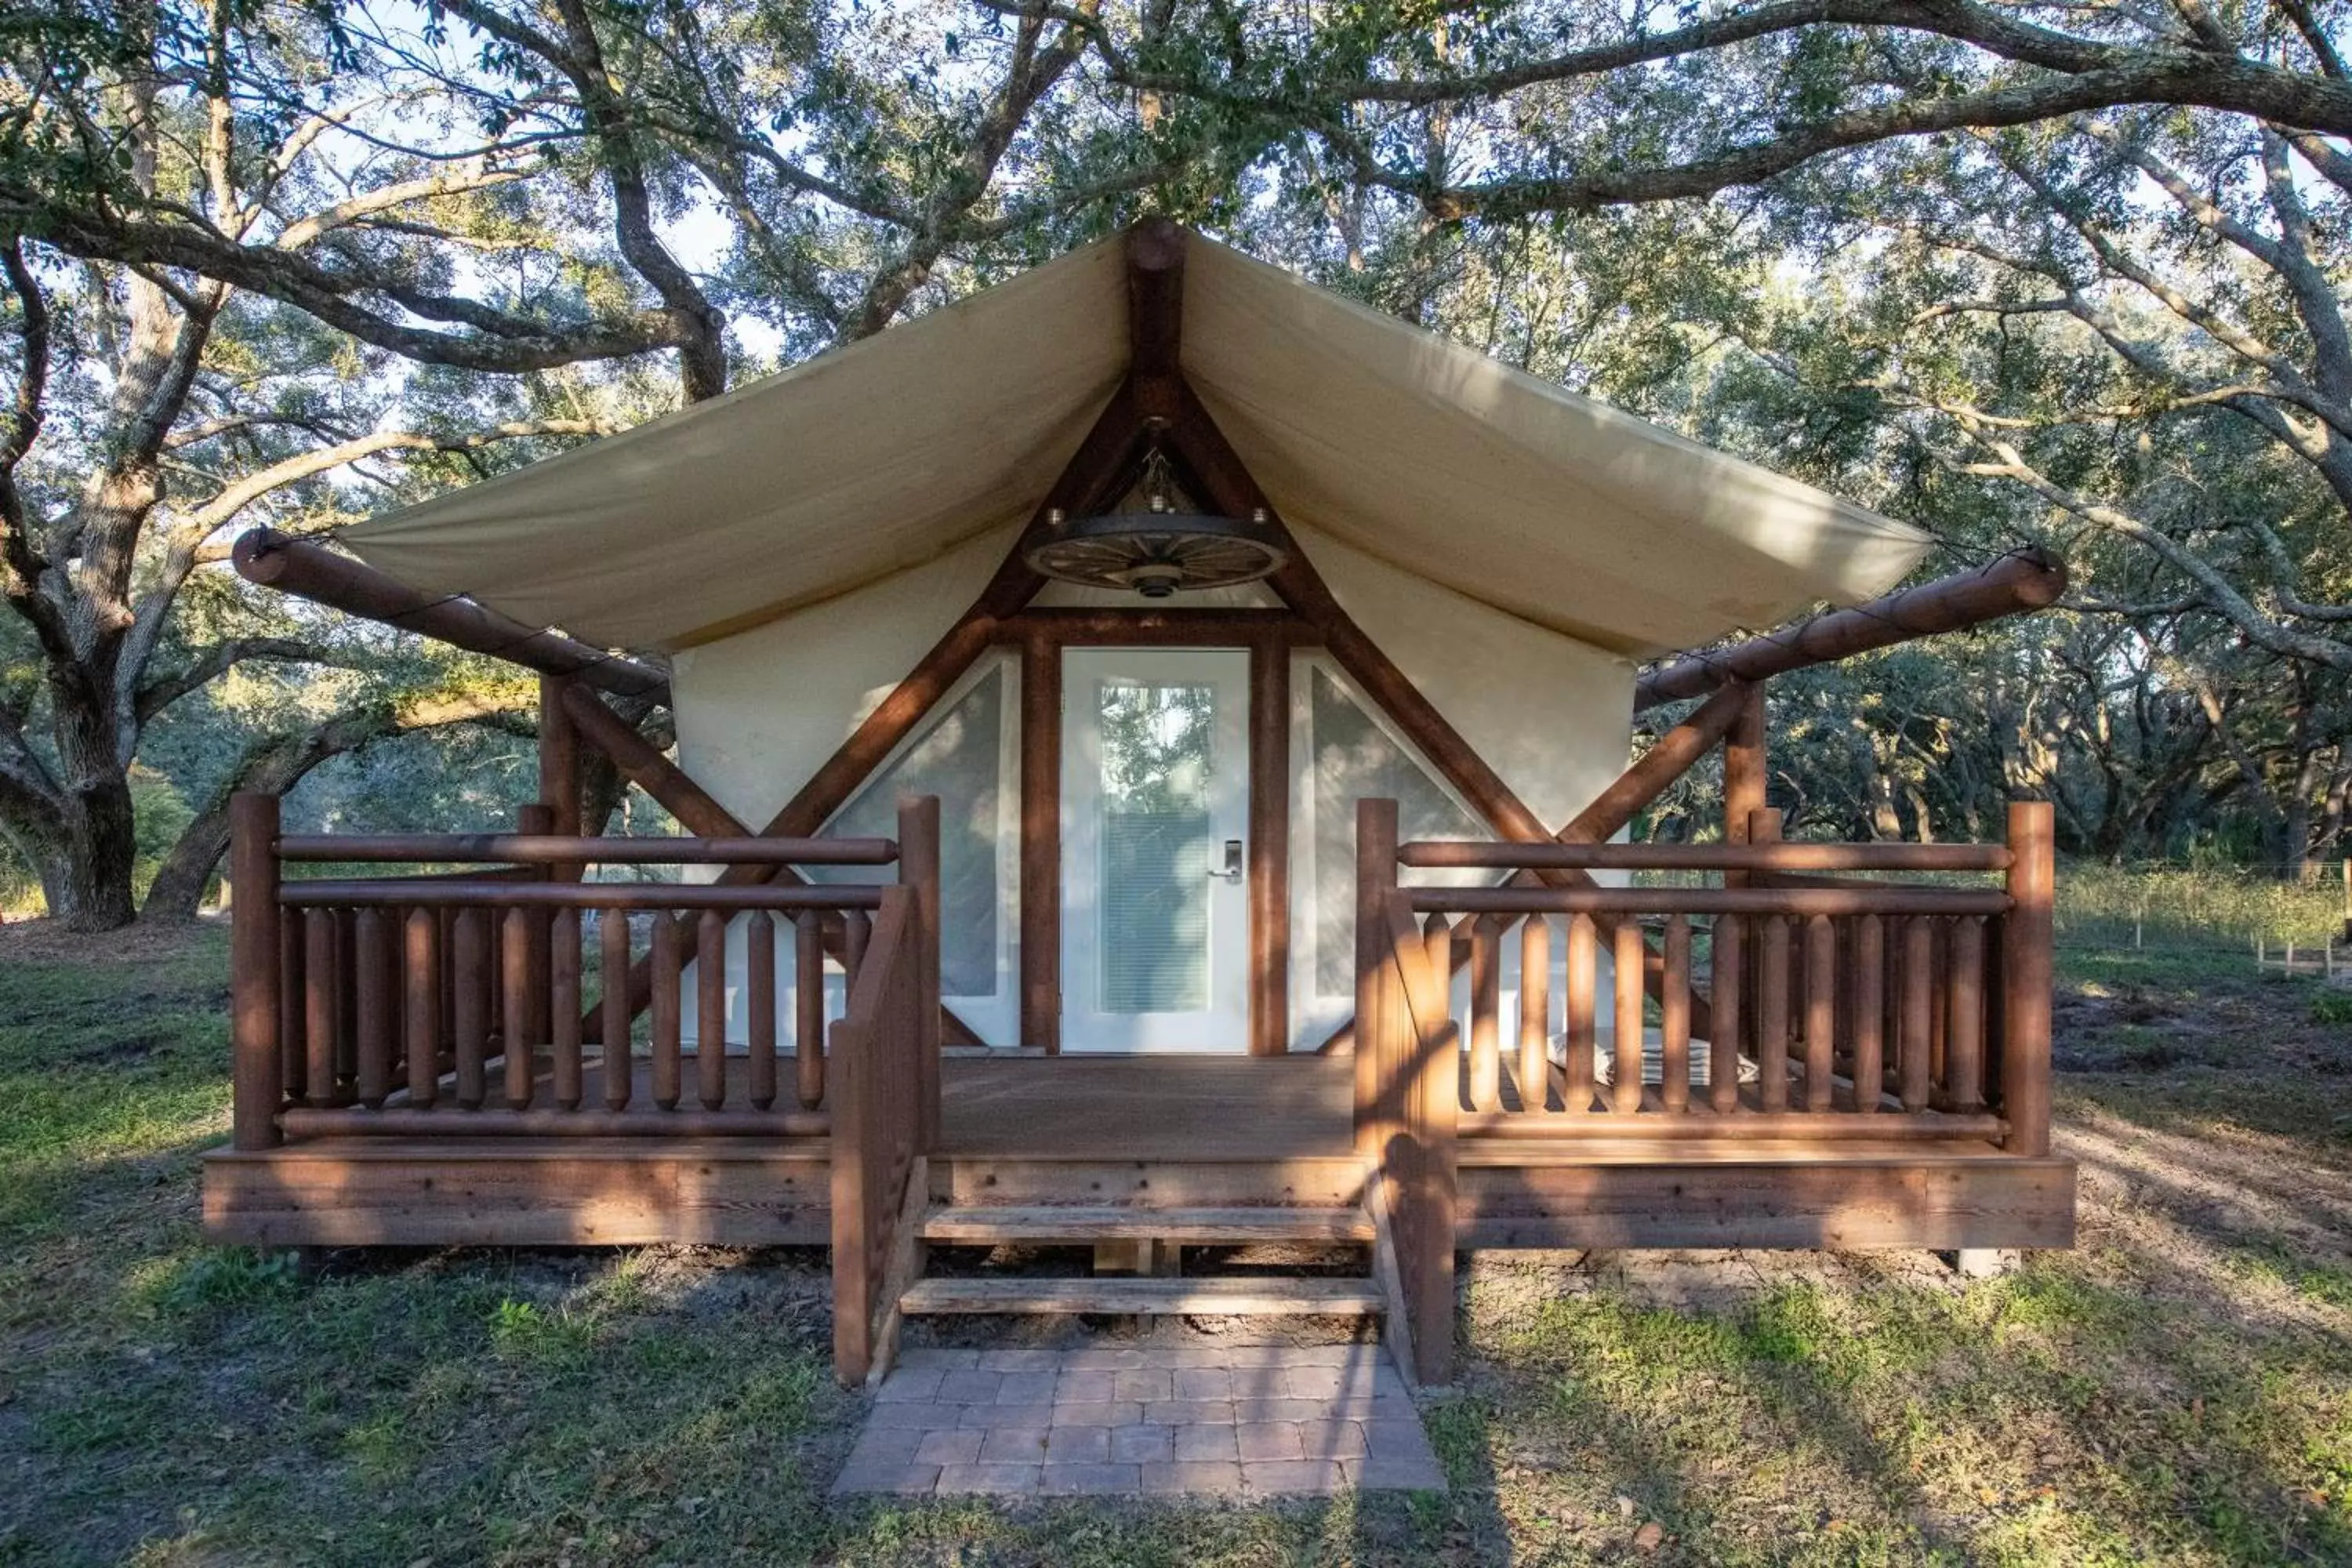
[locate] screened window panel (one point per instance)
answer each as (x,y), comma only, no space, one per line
(1349,758)
(960,760)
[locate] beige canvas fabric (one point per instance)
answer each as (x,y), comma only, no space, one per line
(1423,453)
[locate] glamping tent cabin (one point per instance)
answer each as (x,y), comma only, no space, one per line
(1154,741)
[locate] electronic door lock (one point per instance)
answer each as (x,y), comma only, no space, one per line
(1232,869)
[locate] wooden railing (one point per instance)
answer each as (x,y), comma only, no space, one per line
(1795,1000)
(879,1137)
(1837,1006)
(453,1004)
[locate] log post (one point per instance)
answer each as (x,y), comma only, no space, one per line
(2028,935)
(919,869)
(256,1071)
(1419,1165)
(1743,776)
(559,766)
(1376,876)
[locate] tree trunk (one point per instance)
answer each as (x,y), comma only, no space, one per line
(95,893)
(275,764)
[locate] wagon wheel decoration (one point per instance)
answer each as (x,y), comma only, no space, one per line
(1157,550)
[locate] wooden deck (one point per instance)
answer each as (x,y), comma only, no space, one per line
(1147,1107)
(1148,1130)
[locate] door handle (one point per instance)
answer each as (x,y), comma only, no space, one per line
(1232,869)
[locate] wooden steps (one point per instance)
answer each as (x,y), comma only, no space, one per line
(1224,1296)
(978,1224)
(1148,1236)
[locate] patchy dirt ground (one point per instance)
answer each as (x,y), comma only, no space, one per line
(2178,1389)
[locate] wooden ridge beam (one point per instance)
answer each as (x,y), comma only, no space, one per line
(2022,580)
(309,571)
(1155,315)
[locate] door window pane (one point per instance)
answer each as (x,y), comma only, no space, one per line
(1157,760)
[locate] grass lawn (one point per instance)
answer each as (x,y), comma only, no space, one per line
(2178,1389)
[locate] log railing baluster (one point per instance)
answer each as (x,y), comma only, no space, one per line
(1964,1015)
(1726,982)
(519,964)
(1437,941)
(808,1009)
(1772,1015)
(379,1018)
(1674,1016)
(1938,985)
(321,1009)
(294,1002)
(711,1009)
(1765,960)
(421,975)
(1485,1017)
(347,1006)
(760,1008)
(1534,1069)
(395,943)
(563,1008)
(1629,954)
(469,967)
(619,1061)
(669,977)
(1581,1025)
(1869,1013)
(445,944)
(1821,1012)
(857,931)
(1912,1065)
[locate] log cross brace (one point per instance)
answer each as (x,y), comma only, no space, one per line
(674,790)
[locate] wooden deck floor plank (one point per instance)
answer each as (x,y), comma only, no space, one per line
(1048,1222)
(1170,1107)
(1222,1297)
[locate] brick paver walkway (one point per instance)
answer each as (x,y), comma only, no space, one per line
(1244,1420)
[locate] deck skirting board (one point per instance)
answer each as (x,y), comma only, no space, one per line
(736,1192)
(1945,1205)
(520,1193)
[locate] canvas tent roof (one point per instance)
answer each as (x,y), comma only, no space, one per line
(863,462)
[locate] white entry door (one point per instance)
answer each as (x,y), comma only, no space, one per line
(1155,826)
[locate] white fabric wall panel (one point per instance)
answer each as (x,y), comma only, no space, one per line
(759,712)
(1554,717)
